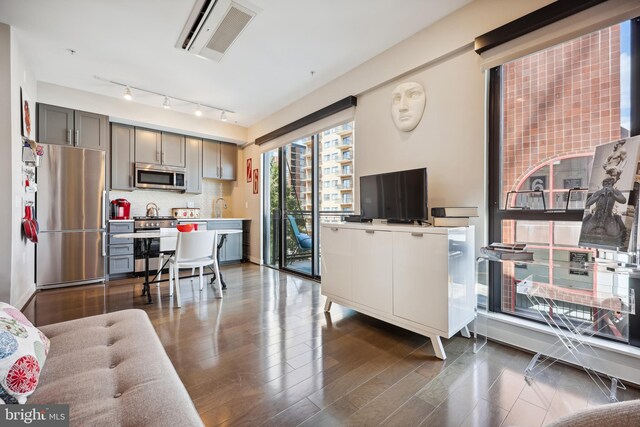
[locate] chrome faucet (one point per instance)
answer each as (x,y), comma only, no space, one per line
(217,209)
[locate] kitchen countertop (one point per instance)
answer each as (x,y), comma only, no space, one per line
(120,220)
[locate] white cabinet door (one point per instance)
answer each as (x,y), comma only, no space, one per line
(372,269)
(337,262)
(420,290)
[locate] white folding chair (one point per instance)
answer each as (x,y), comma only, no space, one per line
(196,249)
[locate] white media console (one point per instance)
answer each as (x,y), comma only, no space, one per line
(418,278)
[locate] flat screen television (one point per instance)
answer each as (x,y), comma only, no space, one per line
(395,196)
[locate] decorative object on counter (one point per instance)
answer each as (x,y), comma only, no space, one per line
(186,228)
(152,210)
(450,221)
(610,207)
(185,213)
(249,170)
(218,209)
(255,181)
(408,100)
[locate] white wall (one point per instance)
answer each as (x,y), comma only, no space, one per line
(6,143)
(450,138)
(17,282)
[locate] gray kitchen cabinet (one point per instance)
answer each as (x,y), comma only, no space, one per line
(148,146)
(232,249)
(122,156)
(173,149)
(194,165)
(65,126)
(219,160)
(228,161)
(121,256)
(90,130)
(55,125)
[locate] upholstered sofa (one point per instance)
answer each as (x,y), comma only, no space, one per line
(624,414)
(113,371)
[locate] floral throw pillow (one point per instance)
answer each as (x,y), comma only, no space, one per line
(23,349)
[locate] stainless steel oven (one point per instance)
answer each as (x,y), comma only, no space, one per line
(149,224)
(160,177)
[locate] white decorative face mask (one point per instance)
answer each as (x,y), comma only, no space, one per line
(407,105)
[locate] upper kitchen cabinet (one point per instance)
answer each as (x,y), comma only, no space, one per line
(173,150)
(122,156)
(194,165)
(219,160)
(148,146)
(160,148)
(65,126)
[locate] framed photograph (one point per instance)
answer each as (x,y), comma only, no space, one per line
(249,170)
(27,114)
(255,181)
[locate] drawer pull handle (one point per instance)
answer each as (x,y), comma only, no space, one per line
(417,234)
(369,231)
(334,229)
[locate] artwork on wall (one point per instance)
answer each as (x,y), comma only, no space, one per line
(255,181)
(609,210)
(408,100)
(249,170)
(26,109)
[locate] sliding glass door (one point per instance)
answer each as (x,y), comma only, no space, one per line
(306,182)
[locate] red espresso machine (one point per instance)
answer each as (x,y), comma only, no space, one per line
(120,209)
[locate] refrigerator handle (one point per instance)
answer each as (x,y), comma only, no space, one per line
(104,209)
(104,243)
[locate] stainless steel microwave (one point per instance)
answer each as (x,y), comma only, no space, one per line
(160,177)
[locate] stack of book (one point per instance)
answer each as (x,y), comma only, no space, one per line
(452,216)
(507,251)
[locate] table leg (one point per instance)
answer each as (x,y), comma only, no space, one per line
(222,240)
(146,244)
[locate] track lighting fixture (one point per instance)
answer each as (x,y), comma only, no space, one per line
(167,99)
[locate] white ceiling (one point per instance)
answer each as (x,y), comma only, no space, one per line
(267,68)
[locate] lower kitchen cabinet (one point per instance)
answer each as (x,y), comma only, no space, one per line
(232,249)
(120,251)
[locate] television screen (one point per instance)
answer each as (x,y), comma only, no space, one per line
(398,196)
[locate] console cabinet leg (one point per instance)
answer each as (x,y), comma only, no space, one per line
(437,347)
(465,332)
(327,305)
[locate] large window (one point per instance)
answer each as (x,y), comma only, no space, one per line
(548,111)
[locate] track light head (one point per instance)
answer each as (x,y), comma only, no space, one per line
(166,104)
(223,116)
(198,110)
(127,94)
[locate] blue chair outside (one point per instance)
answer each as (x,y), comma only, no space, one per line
(304,241)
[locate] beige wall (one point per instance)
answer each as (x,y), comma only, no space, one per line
(450,139)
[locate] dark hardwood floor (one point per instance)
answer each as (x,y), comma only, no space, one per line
(267,354)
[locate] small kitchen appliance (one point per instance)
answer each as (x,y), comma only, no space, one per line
(120,209)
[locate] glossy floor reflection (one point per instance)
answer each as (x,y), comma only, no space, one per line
(267,354)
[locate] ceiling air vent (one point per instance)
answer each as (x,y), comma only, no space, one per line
(214,25)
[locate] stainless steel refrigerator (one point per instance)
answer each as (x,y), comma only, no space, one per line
(71,209)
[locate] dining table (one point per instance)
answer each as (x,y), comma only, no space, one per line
(147,236)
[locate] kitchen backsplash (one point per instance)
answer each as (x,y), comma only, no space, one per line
(166,200)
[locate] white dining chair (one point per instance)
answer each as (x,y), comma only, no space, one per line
(196,249)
